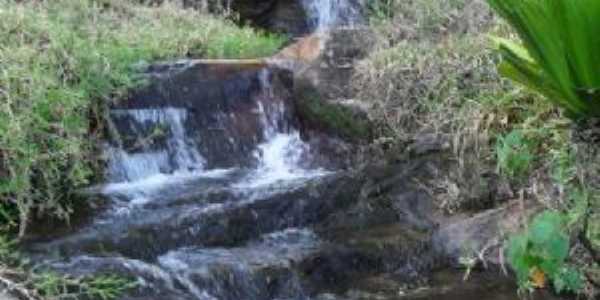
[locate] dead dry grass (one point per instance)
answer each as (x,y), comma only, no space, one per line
(433,72)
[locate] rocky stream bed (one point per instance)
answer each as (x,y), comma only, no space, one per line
(220,187)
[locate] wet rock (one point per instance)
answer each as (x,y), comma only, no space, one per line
(353,255)
(220,100)
(318,115)
(298,17)
(331,152)
(282,16)
(274,15)
(262,269)
(148,233)
(481,235)
(153,283)
(326,59)
(387,231)
(323,64)
(444,285)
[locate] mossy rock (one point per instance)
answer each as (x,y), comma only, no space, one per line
(332,118)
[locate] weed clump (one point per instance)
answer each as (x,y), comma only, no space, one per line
(539,254)
(514,154)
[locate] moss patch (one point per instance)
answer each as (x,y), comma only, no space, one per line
(332,118)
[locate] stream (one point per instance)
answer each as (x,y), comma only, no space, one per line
(213,192)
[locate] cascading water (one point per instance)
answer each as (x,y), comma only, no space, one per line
(325,14)
(210,196)
(178,154)
(281,154)
(162,150)
(160,153)
(209,186)
(162,186)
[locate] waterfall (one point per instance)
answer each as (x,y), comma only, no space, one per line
(178,154)
(189,163)
(160,146)
(325,14)
(281,154)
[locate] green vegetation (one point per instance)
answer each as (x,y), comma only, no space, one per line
(51,285)
(333,118)
(380,10)
(19,278)
(559,55)
(514,154)
(541,251)
(60,62)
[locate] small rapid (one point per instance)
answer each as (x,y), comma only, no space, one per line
(177,154)
(281,156)
(187,226)
(326,14)
(165,152)
(210,188)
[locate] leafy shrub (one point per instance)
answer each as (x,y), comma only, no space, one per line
(560,53)
(59,61)
(515,154)
(540,252)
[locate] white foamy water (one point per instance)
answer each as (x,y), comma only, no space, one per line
(280,160)
(143,191)
(325,14)
(178,155)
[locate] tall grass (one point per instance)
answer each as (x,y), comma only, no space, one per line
(59,61)
(560,51)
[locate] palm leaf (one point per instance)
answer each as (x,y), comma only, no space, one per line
(559,54)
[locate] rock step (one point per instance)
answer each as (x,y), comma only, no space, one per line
(443,285)
(262,269)
(147,234)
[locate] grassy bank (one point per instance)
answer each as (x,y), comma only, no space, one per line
(60,61)
(434,70)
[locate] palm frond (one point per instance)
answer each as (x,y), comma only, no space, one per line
(559,54)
